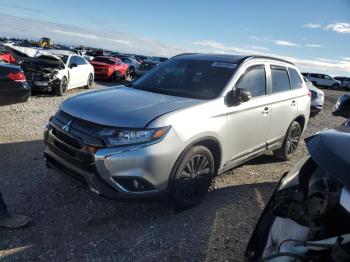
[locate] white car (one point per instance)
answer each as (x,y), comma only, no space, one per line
(317,97)
(54,70)
(323,80)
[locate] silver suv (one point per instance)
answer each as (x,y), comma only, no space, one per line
(177,127)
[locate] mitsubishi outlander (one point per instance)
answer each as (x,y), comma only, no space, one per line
(178,126)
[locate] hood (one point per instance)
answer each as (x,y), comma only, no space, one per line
(32,55)
(123,106)
(330,149)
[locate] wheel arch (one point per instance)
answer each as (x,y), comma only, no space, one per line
(209,142)
(301,120)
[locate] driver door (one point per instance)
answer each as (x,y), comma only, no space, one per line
(248,122)
(73,72)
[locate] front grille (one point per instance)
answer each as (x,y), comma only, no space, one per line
(313,94)
(65,138)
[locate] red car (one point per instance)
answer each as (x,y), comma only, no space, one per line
(7,58)
(109,68)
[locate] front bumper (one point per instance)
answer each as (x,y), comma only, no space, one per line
(113,171)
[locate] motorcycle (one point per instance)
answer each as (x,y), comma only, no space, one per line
(308,215)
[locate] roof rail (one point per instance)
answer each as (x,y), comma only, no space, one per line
(183,54)
(268,57)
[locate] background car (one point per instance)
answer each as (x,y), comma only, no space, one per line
(322,80)
(13,85)
(345,81)
(317,97)
(130,61)
(109,68)
(145,66)
(57,71)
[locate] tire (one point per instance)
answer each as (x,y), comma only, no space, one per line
(60,88)
(335,87)
(116,77)
(290,143)
(192,178)
(89,81)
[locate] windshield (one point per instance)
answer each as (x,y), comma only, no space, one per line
(104,60)
(188,78)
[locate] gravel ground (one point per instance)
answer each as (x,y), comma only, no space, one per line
(72,224)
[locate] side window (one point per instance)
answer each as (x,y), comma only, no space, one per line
(280,79)
(327,77)
(254,80)
(295,78)
(80,60)
(72,60)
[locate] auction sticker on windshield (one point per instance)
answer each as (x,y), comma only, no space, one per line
(224,64)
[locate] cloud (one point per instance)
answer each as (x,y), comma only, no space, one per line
(317,65)
(342,28)
(285,43)
(17,7)
(12,26)
(255,47)
(312,26)
(312,45)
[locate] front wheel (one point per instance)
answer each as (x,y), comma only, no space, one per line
(291,142)
(61,87)
(192,177)
(89,81)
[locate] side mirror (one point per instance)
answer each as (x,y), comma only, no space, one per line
(72,65)
(237,96)
(342,107)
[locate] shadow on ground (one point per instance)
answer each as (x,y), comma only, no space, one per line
(71,224)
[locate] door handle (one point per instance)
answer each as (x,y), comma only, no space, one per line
(266,111)
(293,103)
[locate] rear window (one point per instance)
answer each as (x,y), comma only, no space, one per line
(295,79)
(280,79)
(104,60)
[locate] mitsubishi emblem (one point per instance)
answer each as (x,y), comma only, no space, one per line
(66,127)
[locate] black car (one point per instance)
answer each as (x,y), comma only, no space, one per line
(146,66)
(13,85)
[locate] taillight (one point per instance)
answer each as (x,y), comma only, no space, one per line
(18,77)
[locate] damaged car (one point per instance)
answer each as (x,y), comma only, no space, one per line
(54,71)
(307,217)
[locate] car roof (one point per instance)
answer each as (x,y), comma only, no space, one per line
(10,66)
(60,52)
(236,59)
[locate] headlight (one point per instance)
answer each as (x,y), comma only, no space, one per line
(121,137)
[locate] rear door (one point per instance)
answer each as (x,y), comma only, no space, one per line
(284,106)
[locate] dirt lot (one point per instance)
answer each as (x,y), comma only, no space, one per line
(71,224)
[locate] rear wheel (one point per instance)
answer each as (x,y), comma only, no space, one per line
(291,142)
(61,87)
(335,87)
(192,177)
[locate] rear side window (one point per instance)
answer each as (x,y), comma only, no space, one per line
(80,60)
(280,79)
(295,79)
(254,80)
